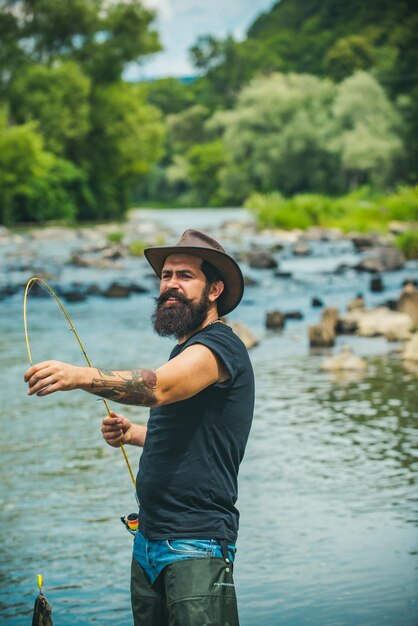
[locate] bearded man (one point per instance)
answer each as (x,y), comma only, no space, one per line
(202,403)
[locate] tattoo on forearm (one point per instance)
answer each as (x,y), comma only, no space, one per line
(135,387)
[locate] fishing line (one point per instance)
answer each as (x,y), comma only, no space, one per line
(45,287)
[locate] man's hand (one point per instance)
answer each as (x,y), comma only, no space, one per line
(116,429)
(50,376)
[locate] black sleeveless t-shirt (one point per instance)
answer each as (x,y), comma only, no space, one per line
(187,478)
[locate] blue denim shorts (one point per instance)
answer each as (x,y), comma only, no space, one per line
(153,556)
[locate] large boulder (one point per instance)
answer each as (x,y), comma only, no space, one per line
(394,325)
(382,259)
(363,242)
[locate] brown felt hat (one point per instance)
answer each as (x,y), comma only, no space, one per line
(201,245)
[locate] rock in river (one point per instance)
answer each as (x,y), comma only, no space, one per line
(395,326)
(118,290)
(274,320)
(261,259)
(322,335)
(382,259)
(301,248)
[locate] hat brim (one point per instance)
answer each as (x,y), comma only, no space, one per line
(228,268)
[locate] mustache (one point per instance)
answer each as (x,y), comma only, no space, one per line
(171,293)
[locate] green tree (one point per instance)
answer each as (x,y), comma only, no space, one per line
(187,128)
(205,161)
(348,55)
(91,137)
(278,137)
(369,142)
(35,185)
(170,95)
(227,66)
(322,37)
(125,142)
(22,159)
(102,36)
(59,99)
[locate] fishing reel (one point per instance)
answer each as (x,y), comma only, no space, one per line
(130,522)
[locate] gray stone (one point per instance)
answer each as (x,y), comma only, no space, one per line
(321,336)
(301,248)
(275,320)
(376,284)
(261,259)
(382,259)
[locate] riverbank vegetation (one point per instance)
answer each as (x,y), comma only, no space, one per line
(311,119)
(359,211)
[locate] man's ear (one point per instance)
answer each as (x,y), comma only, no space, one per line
(215,290)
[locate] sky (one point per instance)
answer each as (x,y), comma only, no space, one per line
(180,22)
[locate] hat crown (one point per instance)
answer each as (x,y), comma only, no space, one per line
(196,239)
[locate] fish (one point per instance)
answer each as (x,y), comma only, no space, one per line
(42,612)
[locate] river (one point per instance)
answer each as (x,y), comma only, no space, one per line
(328,486)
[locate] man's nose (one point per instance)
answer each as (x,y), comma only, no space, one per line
(172,283)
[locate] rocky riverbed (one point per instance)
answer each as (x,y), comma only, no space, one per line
(106,261)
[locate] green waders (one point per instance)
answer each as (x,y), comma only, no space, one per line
(193,592)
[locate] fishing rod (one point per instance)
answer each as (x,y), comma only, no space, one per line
(36,280)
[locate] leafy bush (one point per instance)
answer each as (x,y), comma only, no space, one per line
(273,209)
(403,205)
(137,247)
(408,243)
(360,210)
(115,236)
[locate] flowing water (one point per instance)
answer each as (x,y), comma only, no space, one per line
(328,492)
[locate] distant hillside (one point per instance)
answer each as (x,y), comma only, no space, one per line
(335,37)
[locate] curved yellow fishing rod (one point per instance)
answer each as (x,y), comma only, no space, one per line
(35,279)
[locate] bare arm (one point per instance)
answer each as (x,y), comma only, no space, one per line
(136,387)
(192,370)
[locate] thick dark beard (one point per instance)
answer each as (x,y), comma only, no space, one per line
(181,319)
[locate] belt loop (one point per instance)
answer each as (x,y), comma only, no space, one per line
(224,550)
